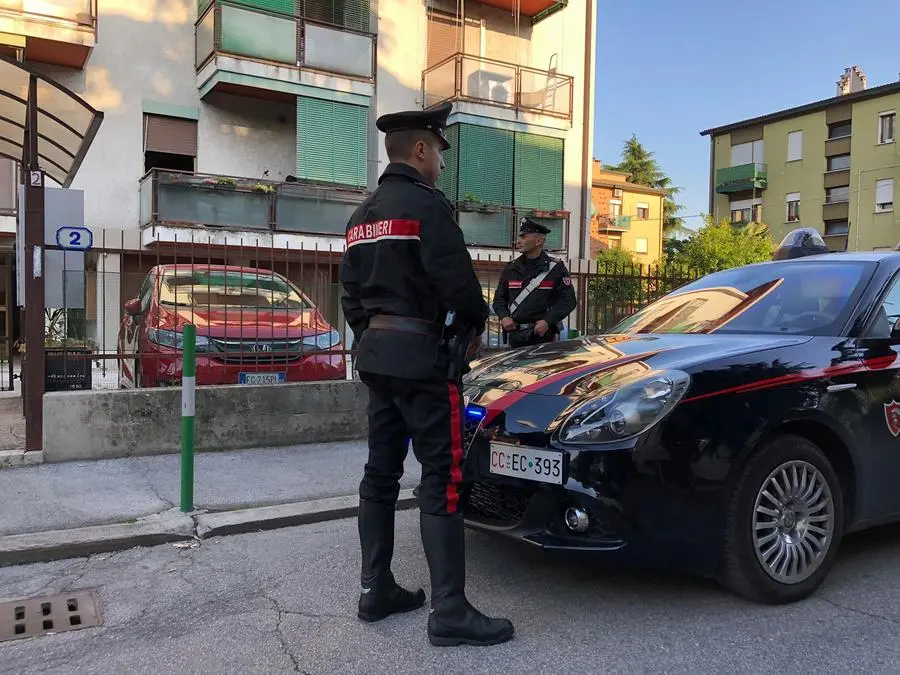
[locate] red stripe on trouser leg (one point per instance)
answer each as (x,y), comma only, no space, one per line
(456,451)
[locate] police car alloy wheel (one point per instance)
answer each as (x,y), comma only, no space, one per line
(784,523)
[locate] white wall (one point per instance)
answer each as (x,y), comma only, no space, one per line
(563,33)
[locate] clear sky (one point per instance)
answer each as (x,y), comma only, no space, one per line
(668,69)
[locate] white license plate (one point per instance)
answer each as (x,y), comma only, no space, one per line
(261,378)
(543,466)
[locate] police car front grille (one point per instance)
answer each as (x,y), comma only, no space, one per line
(498,504)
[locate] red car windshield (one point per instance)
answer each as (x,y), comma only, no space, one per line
(229,289)
(793,297)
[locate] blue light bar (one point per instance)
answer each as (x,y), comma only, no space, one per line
(476,412)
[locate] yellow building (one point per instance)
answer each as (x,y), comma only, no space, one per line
(832,165)
(626,215)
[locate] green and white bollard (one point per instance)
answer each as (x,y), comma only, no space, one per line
(188,388)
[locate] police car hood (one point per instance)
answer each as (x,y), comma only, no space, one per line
(557,368)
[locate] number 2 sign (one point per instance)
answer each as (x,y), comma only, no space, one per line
(74,238)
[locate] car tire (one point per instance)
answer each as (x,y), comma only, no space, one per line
(752,517)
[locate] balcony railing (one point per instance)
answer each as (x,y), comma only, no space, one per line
(613,222)
(743,177)
(232,29)
(82,13)
(462,77)
(174,198)
(490,226)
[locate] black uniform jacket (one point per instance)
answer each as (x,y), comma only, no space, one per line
(553,300)
(406,257)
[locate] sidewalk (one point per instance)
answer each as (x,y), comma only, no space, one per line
(51,511)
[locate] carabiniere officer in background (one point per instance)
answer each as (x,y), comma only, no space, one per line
(414,302)
(535,292)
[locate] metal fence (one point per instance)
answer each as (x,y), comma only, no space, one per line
(267,311)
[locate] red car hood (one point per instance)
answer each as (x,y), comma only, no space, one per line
(247,323)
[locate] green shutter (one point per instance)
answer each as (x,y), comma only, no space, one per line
(353,14)
(279,6)
(539,172)
(332,142)
(485,165)
(448,183)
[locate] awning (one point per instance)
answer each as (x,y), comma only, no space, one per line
(66,124)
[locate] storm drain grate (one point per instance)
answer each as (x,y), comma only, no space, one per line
(48,614)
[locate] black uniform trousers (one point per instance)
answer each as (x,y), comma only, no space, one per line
(428,412)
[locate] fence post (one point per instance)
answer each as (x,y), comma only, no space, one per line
(188,388)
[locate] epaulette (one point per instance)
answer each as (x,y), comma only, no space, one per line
(428,187)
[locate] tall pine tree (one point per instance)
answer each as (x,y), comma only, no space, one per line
(644,170)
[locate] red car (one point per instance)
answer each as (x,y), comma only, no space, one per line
(253,327)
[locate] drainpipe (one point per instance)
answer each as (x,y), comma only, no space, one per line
(587,153)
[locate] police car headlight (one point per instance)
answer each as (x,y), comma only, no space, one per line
(626,412)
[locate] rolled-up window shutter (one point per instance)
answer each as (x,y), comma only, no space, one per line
(172,135)
(444,38)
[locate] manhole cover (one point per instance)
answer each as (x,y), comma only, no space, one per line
(48,614)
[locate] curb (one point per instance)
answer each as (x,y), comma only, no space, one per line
(33,547)
(263,518)
(173,526)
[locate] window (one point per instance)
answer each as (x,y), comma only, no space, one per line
(839,130)
(745,210)
(834,228)
(793,207)
(332,142)
(799,297)
(886,314)
(169,143)
(615,208)
(747,153)
(839,162)
(795,146)
(837,194)
(640,245)
(886,127)
(643,211)
(352,14)
(884,195)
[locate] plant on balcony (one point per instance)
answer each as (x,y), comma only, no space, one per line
(264,188)
(225,182)
(472,203)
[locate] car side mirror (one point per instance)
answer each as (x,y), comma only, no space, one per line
(133,307)
(895,331)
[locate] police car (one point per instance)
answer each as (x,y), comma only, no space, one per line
(736,428)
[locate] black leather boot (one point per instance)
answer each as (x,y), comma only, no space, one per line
(453,621)
(381,596)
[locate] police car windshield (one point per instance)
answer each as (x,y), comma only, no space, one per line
(792,297)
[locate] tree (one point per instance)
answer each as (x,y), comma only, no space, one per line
(644,170)
(720,246)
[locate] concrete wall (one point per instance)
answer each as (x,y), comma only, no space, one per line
(108,424)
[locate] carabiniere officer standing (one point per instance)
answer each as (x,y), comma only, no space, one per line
(535,292)
(416,307)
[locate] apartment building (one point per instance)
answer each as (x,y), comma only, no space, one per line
(833,164)
(252,122)
(625,215)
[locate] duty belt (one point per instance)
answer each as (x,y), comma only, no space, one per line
(405,324)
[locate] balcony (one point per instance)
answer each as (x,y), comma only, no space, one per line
(475,79)
(271,54)
(490,226)
(613,223)
(56,32)
(176,199)
(533,9)
(739,178)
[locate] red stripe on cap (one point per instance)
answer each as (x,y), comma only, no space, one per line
(368,233)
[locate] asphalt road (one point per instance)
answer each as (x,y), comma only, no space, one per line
(284,601)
